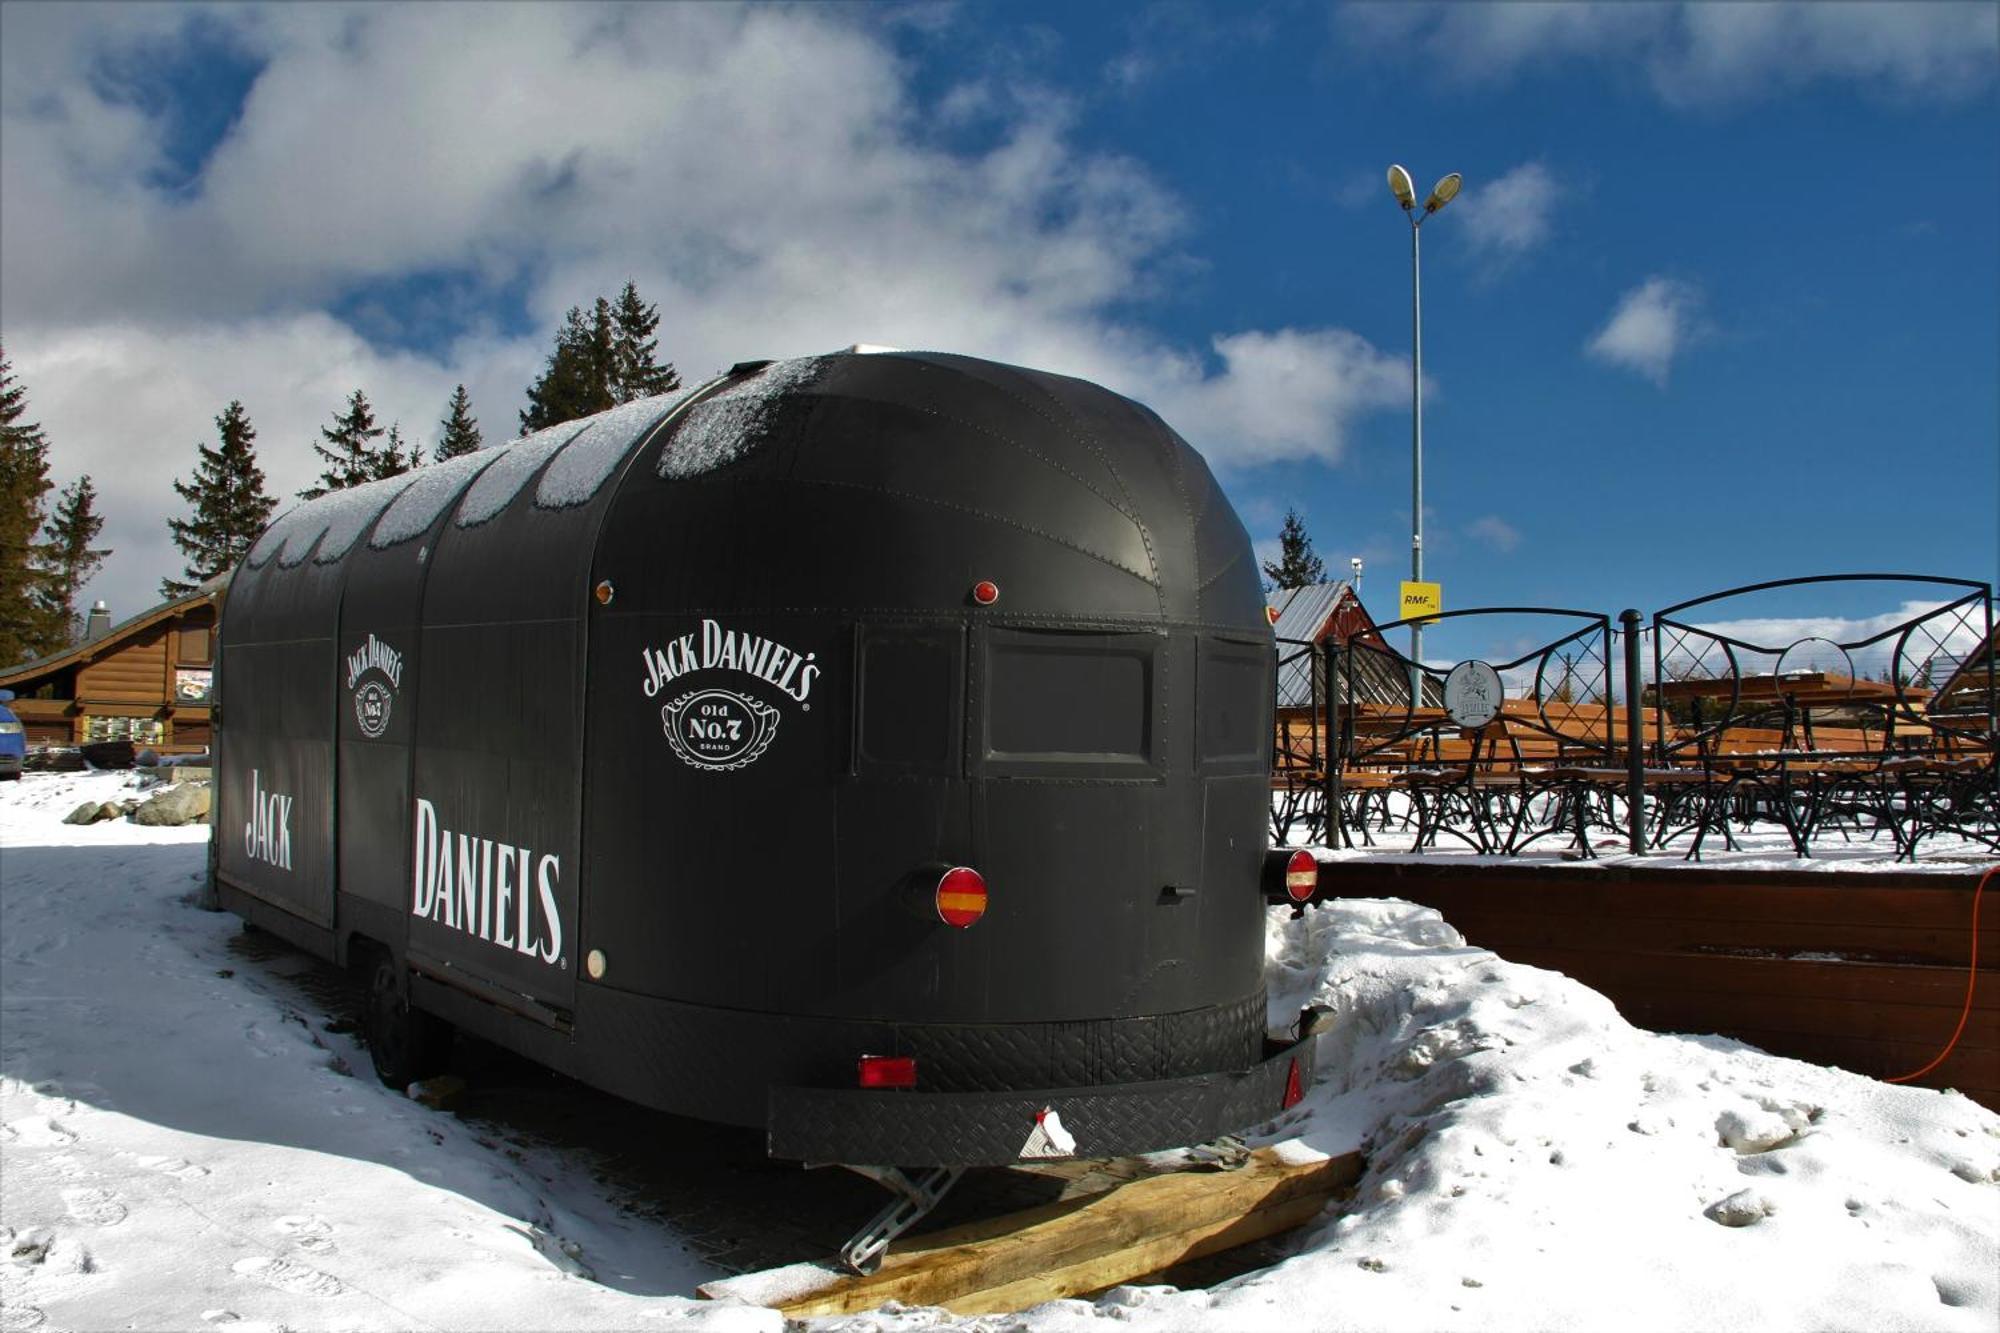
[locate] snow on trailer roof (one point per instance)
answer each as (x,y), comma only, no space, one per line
(412,513)
(725,426)
(498,485)
(339,517)
(583,465)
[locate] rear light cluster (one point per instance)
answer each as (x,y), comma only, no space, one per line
(1301,876)
(960,897)
(888,1071)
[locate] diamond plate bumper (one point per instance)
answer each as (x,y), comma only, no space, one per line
(913,1128)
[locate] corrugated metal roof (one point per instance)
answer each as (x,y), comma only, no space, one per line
(1380,677)
(1303,612)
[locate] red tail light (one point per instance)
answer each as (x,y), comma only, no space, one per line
(961,897)
(1294,1091)
(1301,876)
(888,1071)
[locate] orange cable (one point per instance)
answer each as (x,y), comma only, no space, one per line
(1971,980)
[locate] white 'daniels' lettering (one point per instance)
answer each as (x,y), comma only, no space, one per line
(267,837)
(489,890)
(715,648)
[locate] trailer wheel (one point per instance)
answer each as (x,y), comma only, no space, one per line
(406,1044)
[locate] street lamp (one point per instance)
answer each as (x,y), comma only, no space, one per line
(1442,193)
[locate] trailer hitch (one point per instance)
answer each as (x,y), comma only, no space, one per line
(916,1196)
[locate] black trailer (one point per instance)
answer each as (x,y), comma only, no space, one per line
(870,747)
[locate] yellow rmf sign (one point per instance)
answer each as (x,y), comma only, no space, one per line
(1422,599)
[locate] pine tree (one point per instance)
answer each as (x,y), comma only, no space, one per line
(635,374)
(230,504)
(393,459)
(349,452)
(461,428)
(69,561)
(1297,566)
(578,377)
(24,480)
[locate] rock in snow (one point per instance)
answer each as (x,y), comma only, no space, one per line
(183,803)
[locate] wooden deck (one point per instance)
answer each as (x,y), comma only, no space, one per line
(1865,971)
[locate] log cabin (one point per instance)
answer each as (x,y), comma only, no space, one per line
(148,680)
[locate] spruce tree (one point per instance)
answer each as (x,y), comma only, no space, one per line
(635,373)
(577,381)
(24,480)
(1296,566)
(461,428)
(393,459)
(230,503)
(69,561)
(349,451)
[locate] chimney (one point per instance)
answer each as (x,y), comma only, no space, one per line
(99,623)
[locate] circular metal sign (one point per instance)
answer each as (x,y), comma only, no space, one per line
(1472,694)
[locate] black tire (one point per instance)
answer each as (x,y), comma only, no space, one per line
(405,1044)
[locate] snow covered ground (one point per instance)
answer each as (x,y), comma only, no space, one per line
(182,1148)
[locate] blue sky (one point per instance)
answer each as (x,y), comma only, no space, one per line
(1720,302)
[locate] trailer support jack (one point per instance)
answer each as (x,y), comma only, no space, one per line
(915,1197)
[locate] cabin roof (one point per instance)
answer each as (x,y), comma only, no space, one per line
(32,670)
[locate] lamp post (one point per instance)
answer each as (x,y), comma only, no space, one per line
(1441,194)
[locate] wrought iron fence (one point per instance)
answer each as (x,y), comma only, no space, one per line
(1888,729)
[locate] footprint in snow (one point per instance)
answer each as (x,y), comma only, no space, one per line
(289,1276)
(16,1318)
(93,1207)
(311,1235)
(42,1132)
(178,1167)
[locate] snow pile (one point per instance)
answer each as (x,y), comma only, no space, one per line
(725,426)
(1535,1161)
(430,490)
(498,485)
(588,460)
(183,1148)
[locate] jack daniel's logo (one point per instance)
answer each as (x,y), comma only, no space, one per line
(377,670)
(721,729)
(727,649)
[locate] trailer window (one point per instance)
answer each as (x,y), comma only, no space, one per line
(909,697)
(1233,704)
(1063,698)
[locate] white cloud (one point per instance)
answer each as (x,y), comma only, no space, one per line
(1286,394)
(1653,323)
(1703,54)
(763,173)
(1511,217)
(1495,531)
(128,405)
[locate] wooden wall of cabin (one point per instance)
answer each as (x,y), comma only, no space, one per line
(155,678)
